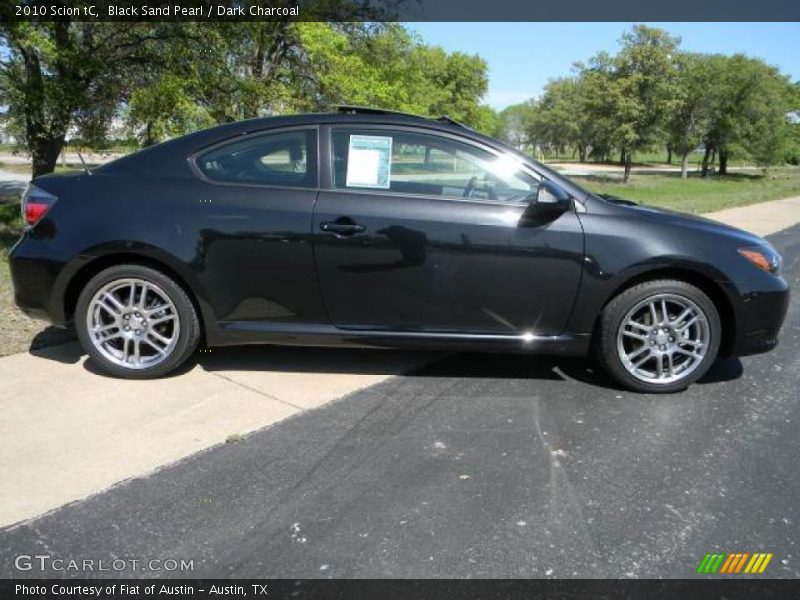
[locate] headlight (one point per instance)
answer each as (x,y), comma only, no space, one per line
(764,257)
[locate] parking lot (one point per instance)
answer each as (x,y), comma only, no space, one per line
(469,465)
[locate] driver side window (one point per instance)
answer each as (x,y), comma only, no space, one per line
(413,163)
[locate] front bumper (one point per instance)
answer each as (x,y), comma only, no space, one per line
(759,318)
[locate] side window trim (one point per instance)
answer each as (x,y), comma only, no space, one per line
(330,184)
(198,172)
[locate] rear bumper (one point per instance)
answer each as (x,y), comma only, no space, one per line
(759,318)
(38,276)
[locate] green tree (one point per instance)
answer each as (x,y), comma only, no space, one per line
(164,109)
(691,117)
(749,107)
(645,89)
(515,124)
(390,68)
(64,74)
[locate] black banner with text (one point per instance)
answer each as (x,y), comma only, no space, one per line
(402,589)
(397,10)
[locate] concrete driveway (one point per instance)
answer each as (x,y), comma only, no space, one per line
(69,432)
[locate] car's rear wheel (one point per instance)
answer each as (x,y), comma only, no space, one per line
(659,336)
(135,322)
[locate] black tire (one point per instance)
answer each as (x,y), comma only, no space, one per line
(188,336)
(615,312)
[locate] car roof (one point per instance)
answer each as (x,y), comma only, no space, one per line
(363,116)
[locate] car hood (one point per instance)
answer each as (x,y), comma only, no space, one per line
(686,220)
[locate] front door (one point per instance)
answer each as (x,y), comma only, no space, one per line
(425,233)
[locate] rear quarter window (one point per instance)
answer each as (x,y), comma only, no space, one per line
(281,159)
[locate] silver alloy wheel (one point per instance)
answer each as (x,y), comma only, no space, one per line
(133,323)
(663,338)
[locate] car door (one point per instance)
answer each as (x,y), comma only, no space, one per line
(426,231)
(254,252)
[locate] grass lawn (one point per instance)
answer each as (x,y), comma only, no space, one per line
(25,169)
(695,194)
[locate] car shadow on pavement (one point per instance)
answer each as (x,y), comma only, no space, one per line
(50,338)
(468,365)
(516,366)
(428,364)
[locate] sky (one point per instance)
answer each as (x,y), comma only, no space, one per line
(522,57)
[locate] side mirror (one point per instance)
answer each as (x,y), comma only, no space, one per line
(550,198)
(546,204)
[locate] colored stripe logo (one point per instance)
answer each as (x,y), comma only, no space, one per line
(734,563)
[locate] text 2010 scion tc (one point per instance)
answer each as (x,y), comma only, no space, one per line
(367,228)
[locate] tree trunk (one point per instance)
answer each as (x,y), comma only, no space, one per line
(622,156)
(45,130)
(627,167)
(723,162)
(149,140)
(582,153)
(685,165)
(705,161)
(44,153)
(669,155)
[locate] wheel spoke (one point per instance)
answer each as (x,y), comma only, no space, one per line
(632,323)
(100,329)
(143,297)
(635,335)
(163,319)
(152,344)
(137,356)
(682,316)
(688,324)
(159,337)
(636,353)
(664,311)
(110,304)
(687,353)
(653,313)
(692,343)
(107,338)
(641,361)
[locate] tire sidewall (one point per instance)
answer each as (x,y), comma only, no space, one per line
(618,309)
(187,336)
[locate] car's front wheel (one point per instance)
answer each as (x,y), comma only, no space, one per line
(135,322)
(659,336)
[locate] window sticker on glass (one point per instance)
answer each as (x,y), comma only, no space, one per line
(369,161)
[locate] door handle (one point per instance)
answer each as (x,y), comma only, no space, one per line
(343,226)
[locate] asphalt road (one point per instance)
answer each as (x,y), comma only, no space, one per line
(476,466)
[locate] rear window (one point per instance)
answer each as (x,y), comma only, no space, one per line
(283,159)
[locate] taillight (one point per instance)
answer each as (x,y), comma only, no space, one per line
(35,204)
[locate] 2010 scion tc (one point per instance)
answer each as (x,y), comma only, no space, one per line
(370,228)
